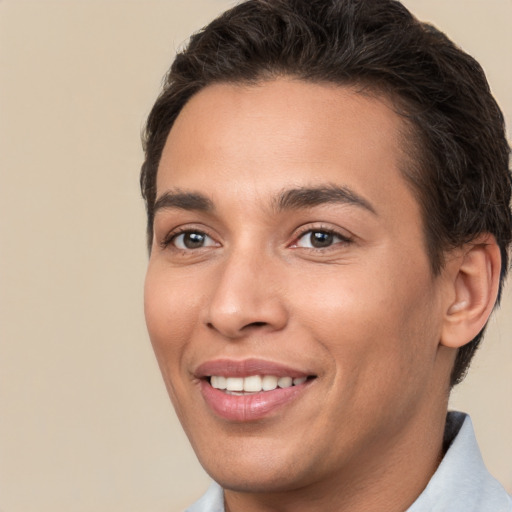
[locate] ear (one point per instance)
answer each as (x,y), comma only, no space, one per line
(474,275)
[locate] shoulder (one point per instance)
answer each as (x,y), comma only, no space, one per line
(211,501)
(462,482)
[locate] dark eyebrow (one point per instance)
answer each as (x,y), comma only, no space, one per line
(313,196)
(183,201)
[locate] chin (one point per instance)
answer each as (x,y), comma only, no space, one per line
(256,479)
(255,465)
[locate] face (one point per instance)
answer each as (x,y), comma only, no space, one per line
(289,297)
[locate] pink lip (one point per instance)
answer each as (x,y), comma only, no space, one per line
(248,407)
(245,368)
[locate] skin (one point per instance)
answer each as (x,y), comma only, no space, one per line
(364,314)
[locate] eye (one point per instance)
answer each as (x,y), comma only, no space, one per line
(319,239)
(192,240)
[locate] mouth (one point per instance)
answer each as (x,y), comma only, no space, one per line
(249,390)
(252,384)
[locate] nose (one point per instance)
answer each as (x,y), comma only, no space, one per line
(247,297)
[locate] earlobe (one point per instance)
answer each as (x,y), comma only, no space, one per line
(475,274)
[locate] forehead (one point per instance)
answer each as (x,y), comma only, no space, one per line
(263,138)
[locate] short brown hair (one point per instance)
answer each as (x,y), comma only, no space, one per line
(461,174)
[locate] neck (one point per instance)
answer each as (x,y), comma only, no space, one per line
(387,478)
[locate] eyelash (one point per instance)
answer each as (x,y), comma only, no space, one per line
(320,229)
(171,238)
(173,235)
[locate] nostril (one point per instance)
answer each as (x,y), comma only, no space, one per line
(256,324)
(244,329)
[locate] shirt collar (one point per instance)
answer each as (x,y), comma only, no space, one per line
(460,484)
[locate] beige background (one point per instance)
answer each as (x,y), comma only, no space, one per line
(85,424)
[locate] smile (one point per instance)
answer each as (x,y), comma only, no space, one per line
(251,389)
(253,383)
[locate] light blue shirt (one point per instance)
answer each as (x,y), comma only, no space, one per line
(460,484)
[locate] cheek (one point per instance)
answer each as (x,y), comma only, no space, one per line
(382,322)
(165,309)
(169,330)
(170,303)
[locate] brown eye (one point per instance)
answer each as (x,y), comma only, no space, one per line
(320,239)
(192,240)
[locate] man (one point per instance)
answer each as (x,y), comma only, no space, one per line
(328,201)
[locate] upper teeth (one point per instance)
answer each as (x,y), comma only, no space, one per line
(254,383)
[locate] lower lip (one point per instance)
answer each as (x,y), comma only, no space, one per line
(250,407)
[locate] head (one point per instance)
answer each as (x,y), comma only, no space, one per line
(453,128)
(328,193)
